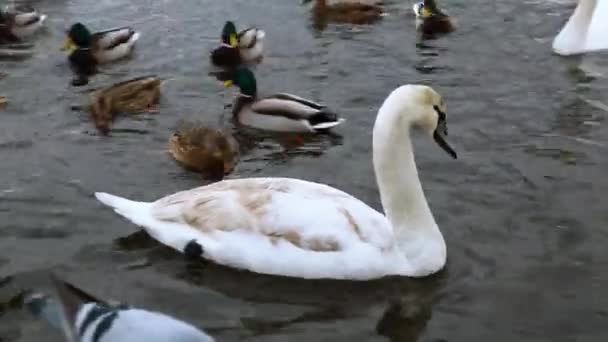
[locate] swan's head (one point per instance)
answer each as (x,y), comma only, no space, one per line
(421,107)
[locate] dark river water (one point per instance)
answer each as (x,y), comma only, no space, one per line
(523,209)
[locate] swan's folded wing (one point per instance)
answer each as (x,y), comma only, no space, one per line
(279,211)
(281,106)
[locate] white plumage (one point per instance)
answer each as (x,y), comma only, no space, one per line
(586,29)
(297,228)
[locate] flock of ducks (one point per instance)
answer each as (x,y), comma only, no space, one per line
(277,226)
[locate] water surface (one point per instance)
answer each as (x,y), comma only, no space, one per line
(523,209)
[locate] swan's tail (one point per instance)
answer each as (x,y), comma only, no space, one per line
(136,212)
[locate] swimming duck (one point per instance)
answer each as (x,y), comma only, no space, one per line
(296,228)
(430,20)
(130,97)
(351,12)
(213,152)
(279,112)
(19,22)
(89,49)
(585,31)
(84,318)
(246,46)
(3,101)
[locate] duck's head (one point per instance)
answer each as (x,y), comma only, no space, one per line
(243,78)
(419,106)
(77,36)
(229,34)
(426,9)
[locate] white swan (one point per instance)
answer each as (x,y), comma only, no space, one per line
(585,31)
(296,228)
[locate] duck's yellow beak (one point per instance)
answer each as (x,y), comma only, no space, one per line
(228,83)
(69,45)
(426,12)
(233,40)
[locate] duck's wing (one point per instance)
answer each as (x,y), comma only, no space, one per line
(267,225)
(247,38)
(287,105)
(111,38)
(297,108)
(25,19)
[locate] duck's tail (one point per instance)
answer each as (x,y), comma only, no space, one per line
(324,119)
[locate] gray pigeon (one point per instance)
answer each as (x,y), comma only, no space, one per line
(84,318)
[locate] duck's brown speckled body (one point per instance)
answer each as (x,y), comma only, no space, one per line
(132,96)
(210,151)
(350,12)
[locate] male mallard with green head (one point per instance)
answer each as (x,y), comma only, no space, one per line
(89,49)
(19,22)
(279,112)
(430,20)
(246,46)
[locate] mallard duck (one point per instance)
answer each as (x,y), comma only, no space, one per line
(3,101)
(85,318)
(246,46)
(585,31)
(352,12)
(19,22)
(297,228)
(132,96)
(213,152)
(430,20)
(89,49)
(279,112)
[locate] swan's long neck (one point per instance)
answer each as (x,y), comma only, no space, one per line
(572,39)
(400,190)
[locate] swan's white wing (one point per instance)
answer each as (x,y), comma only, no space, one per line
(597,34)
(272,225)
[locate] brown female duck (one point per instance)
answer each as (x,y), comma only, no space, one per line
(350,12)
(132,96)
(212,152)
